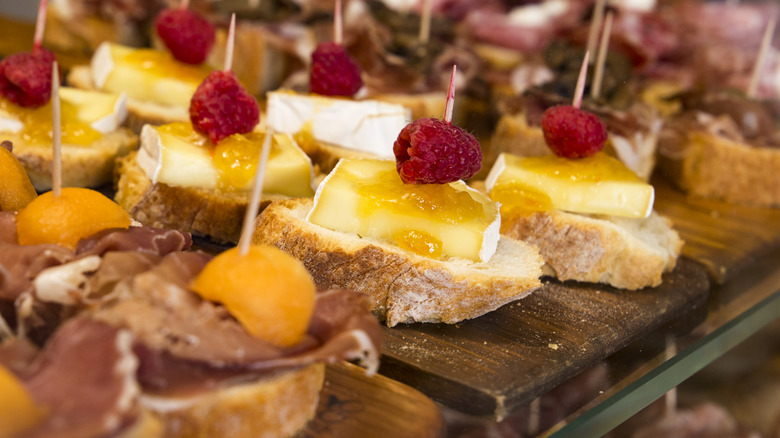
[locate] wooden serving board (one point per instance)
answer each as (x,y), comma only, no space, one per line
(723,237)
(353,405)
(496,363)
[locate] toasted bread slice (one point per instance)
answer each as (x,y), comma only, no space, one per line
(626,253)
(278,405)
(139,113)
(711,166)
(214,213)
(82,166)
(404,287)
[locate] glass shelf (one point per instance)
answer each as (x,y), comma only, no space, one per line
(738,309)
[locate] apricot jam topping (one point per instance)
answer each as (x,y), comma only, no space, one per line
(367,197)
(235,157)
(162,64)
(598,184)
(37,129)
(386,191)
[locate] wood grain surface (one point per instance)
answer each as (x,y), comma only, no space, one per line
(494,364)
(355,405)
(723,237)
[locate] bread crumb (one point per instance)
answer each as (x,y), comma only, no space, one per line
(552,346)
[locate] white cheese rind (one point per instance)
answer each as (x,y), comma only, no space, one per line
(367,126)
(102,65)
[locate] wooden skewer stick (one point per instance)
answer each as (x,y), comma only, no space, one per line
(598,75)
(580,89)
(338,31)
(425,21)
(40,25)
(450,97)
(231,42)
(56,167)
(595,25)
(257,191)
(766,42)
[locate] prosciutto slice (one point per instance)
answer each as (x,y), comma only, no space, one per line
(184,341)
(85,379)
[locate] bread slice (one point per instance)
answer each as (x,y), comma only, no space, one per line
(278,405)
(82,166)
(712,166)
(204,212)
(627,253)
(404,287)
(139,113)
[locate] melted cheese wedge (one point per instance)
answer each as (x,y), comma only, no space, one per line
(367,126)
(367,197)
(18,410)
(596,185)
(86,115)
(176,155)
(146,75)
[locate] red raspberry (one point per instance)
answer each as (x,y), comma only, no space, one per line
(25,78)
(221,107)
(429,151)
(573,133)
(333,71)
(187,35)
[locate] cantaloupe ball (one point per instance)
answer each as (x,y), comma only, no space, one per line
(18,410)
(268,291)
(16,190)
(75,214)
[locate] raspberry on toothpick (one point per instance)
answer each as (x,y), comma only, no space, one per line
(571,132)
(188,36)
(25,78)
(432,151)
(221,106)
(333,71)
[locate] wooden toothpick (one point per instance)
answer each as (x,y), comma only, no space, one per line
(40,25)
(766,42)
(257,191)
(581,82)
(598,75)
(595,25)
(425,21)
(231,42)
(450,97)
(338,31)
(56,167)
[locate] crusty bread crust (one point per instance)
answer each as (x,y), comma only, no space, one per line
(213,213)
(709,166)
(273,406)
(626,253)
(139,113)
(82,166)
(404,287)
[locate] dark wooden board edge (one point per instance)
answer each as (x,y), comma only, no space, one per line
(494,364)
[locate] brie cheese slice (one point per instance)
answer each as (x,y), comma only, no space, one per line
(367,126)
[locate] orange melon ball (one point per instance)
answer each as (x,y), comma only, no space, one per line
(18,410)
(268,291)
(75,214)
(16,190)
